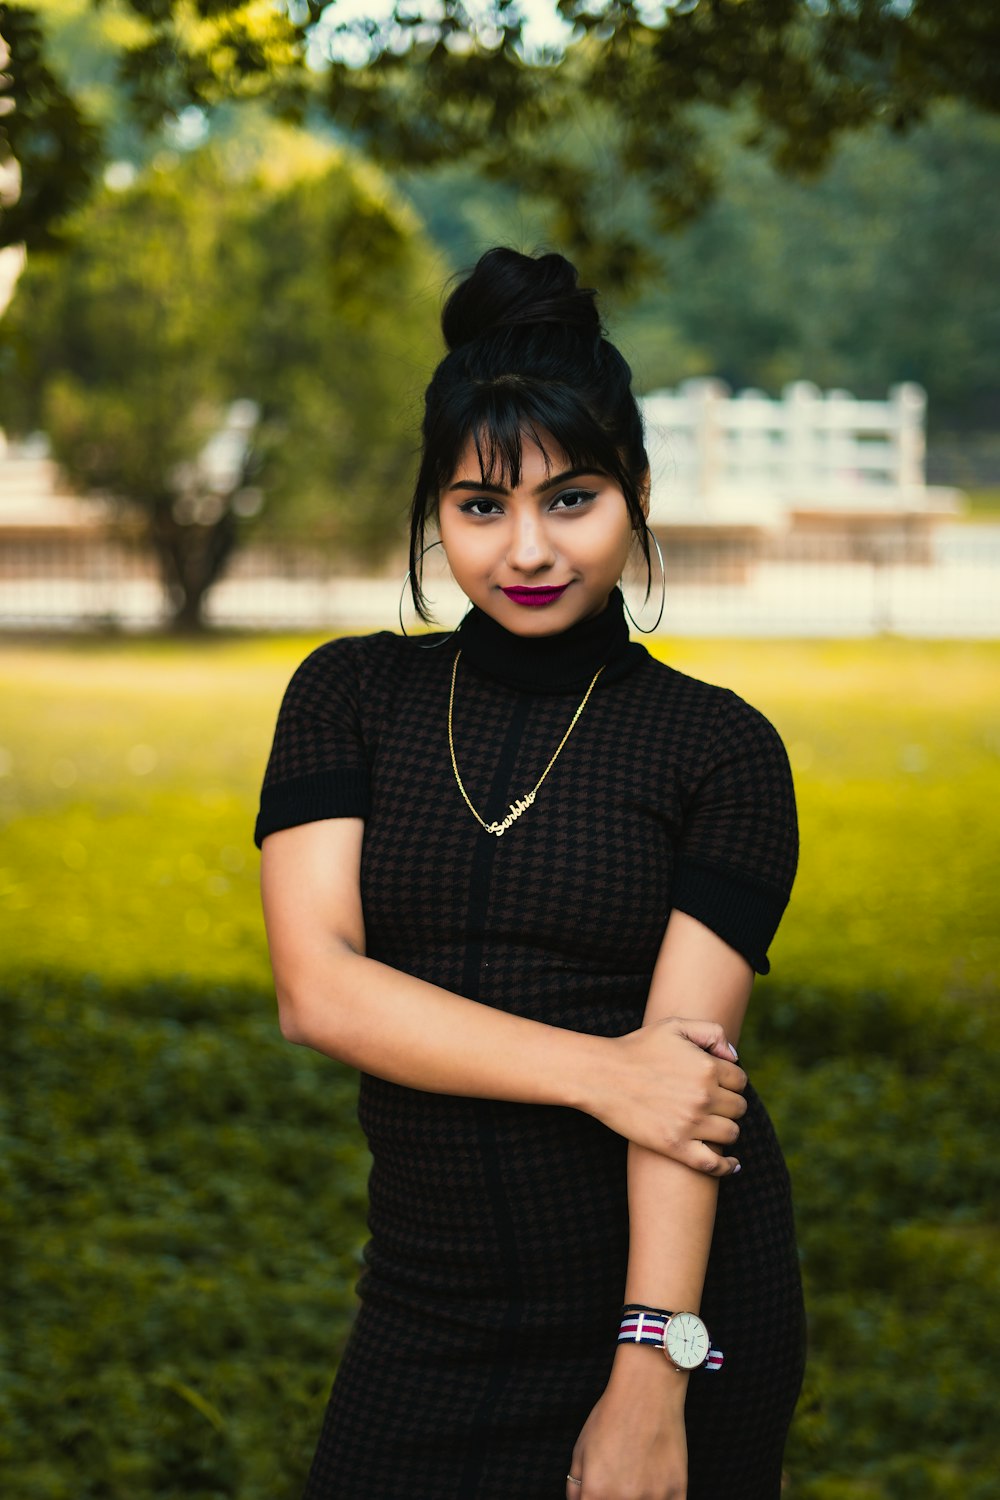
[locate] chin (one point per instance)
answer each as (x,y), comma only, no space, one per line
(546,620)
(548,625)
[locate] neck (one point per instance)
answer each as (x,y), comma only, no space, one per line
(560,663)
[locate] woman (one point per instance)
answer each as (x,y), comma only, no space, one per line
(497,866)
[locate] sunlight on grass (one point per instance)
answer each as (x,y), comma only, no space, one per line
(895,747)
(129,774)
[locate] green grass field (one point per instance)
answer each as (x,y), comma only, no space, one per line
(131,772)
(982,504)
(182,1193)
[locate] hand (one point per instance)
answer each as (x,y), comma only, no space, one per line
(673,1087)
(633,1445)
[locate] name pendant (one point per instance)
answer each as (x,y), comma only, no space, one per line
(516,809)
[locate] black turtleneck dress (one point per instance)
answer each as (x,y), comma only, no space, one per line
(495,1270)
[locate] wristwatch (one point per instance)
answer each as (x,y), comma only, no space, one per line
(682,1336)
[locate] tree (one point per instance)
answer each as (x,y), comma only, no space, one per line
(240,330)
(881,271)
(453,79)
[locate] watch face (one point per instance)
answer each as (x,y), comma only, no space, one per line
(686,1340)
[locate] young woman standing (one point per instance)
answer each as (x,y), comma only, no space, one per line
(497,866)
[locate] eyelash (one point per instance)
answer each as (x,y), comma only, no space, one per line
(584,495)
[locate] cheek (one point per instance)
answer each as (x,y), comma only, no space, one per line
(606,544)
(468,551)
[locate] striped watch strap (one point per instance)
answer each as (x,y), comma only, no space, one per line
(642,1325)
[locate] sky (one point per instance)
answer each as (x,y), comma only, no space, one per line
(543,29)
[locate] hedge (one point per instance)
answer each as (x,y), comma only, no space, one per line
(182,1217)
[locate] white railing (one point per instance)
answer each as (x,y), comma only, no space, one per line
(719,458)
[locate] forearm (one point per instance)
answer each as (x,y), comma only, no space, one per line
(671,1219)
(671,1208)
(410,1032)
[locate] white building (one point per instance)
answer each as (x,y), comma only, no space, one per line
(724,460)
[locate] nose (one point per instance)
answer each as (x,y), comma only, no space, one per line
(530,549)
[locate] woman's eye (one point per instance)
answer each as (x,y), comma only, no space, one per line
(481,507)
(573,499)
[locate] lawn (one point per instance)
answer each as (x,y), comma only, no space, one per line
(129,775)
(182,1194)
(982,504)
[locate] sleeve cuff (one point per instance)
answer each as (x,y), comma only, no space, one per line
(743,913)
(306,799)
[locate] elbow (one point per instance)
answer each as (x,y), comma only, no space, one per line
(313,1008)
(291,1017)
(291,1030)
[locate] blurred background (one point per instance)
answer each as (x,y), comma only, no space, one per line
(225,234)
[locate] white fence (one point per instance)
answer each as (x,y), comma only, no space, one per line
(869,553)
(776,584)
(746,459)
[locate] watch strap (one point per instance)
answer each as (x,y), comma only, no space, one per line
(647,1325)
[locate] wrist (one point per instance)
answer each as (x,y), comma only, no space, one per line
(587,1080)
(681,1336)
(646,1372)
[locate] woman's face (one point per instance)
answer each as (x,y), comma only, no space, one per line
(540,557)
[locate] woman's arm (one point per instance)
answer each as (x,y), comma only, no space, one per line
(658,1085)
(634,1440)
(671,1210)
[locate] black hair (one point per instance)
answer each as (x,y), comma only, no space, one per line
(526,352)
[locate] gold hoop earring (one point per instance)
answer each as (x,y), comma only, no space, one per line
(648,629)
(433,646)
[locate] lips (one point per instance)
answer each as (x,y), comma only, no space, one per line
(535,598)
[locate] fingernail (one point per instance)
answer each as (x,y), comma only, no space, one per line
(738,1168)
(733,1051)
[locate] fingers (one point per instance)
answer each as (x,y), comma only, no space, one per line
(723,1101)
(702,1157)
(730,1076)
(716,1130)
(708,1035)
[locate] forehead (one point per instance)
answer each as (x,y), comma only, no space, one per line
(528,459)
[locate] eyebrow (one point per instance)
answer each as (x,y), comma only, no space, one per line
(499,489)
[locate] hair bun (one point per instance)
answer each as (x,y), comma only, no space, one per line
(508,290)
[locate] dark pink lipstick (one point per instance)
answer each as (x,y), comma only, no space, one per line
(537,596)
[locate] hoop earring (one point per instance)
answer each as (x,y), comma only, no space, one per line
(648,630)
(434,644)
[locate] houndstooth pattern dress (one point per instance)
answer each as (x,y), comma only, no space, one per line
(495,1269)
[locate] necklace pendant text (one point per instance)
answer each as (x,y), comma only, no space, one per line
(516,809)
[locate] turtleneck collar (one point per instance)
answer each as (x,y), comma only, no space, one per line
(562,663)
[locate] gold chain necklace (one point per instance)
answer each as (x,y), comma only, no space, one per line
(523,803)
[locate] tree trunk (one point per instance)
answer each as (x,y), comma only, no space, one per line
(191,557)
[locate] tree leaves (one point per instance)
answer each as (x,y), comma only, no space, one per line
(288,276)
(48,133)
(433,83)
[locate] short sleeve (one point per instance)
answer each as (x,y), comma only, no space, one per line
(739,842)
(317,767)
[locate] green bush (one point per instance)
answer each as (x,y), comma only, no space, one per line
(182,1213)
(182,1217)
(890,1122)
